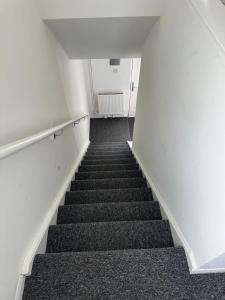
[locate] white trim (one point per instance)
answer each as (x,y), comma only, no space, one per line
(205,22)
(189,253)
(18,145)
(20,287)
(207,271)
(34,246)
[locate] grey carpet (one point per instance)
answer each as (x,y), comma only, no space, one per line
(110,195)
(108,174)
(110,241)
(103,236)
(151,274)
(105,161)
(107,212)
(108,183)
(114,167)
(131,127)
(113,152)
(111,130)
(108,155)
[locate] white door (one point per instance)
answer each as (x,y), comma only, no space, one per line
(135,73)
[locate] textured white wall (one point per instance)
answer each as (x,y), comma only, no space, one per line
(31,99)
(179,128)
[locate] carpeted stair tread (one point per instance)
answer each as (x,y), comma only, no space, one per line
(104,212)
(108,158)
(151,274)
(108,174)
(116,147)
(108,161)
(107,152)
(109,143)
(112,183)
(114,156)
(115,195)
(103,236)
(108,167)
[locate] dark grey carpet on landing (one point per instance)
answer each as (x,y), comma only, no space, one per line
(110,241)
(111,130)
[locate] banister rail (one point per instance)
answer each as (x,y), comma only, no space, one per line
(18,145)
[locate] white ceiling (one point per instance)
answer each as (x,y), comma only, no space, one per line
(102,37)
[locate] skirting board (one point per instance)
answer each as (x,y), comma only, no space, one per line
(40,235)
(173,224)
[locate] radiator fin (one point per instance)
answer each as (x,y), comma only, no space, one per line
(111,104)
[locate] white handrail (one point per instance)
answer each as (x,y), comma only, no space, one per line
(18,145)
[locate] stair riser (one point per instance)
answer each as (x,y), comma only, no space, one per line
(107,152)
(106,212)
(114,167)
(106,196)
(104,148)
(108,161)
(94,157)
(110,143)
(108,174)
(120,183)
(109,236)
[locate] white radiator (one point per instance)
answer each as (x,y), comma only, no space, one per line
(111,104)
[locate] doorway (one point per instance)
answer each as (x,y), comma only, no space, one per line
(114,87)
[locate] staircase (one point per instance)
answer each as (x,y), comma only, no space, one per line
(110,241)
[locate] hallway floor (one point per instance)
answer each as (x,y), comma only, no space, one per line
(111,130)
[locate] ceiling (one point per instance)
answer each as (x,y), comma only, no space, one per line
(73,9)
(102,37)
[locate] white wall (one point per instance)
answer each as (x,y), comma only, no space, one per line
(76,82)
(213,13)
(31,99)
(108,78)
(54,9)
(179,128)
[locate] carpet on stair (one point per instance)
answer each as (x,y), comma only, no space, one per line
(108,212)
(108,195)
(112,183)
(108,174)
(113,167)
(153,274)
(102,236)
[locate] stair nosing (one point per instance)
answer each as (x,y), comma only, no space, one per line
(178,248)
(87,191)
(108,203)
(109,222)
(107,179)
